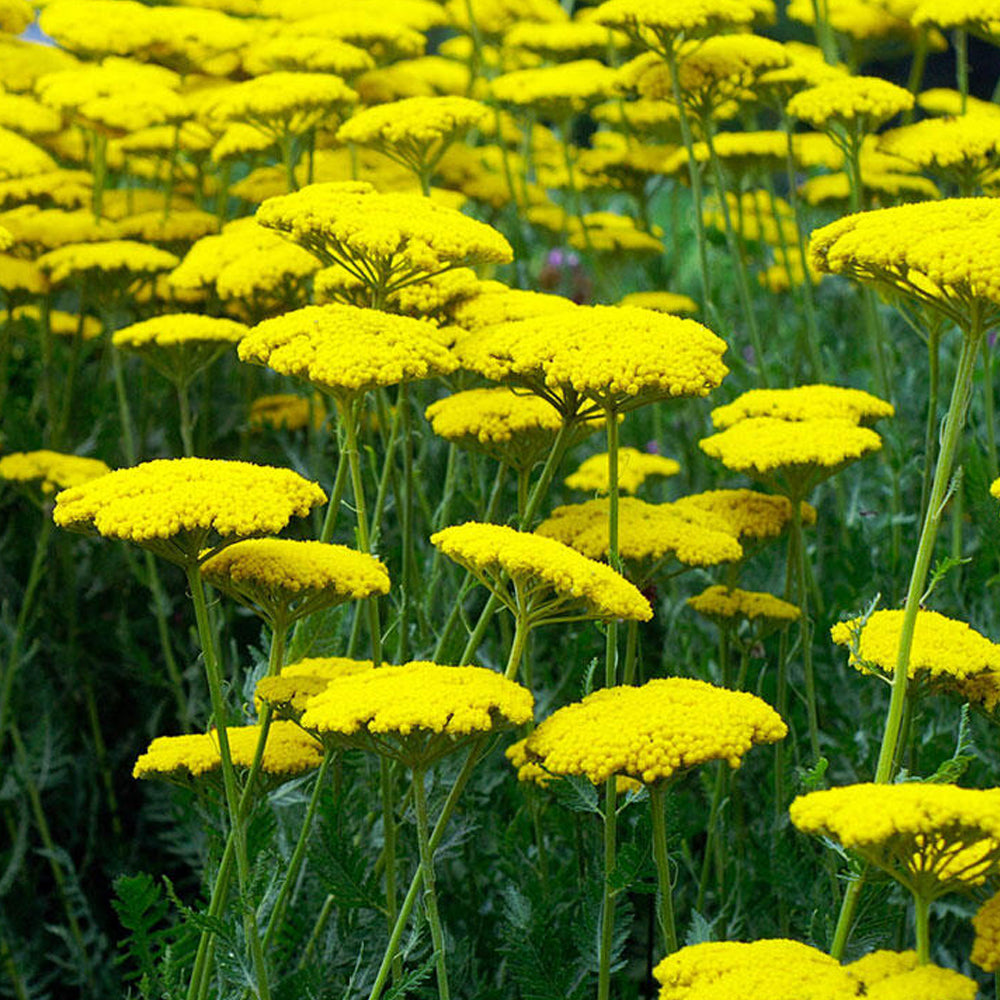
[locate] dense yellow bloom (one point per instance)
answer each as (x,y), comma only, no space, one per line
(173,506)
(121,259)
(183,226)
(416,130)
(21,157)
(6,238)
(942,647)
(647,534)
(857,102)
(427,76)
(347,350)
(748,514)
(511,427)
(24,62)
(944,101)
(946,254)
(809,449)
(17,275)
(246,263)
(961,149)
(912,830)
(288,751)
(49,228)
(720,602)
(804,402)
(328,667)
(557,91)
(282,580)
(179,344)
(25,115)
(836,188)
(653,732)
(387,240)
(62,324)
(284,411)
(986,947)
(496,303)
(634,468)
(493,552)
(385,38)
(65,188)
(927,982)
(859,19)
(776,969)
(51,470)
(495,17)
(562,41)
(665,20)
(668,302)
(609,232)
(288,696)
(290,53)
(283,103)
(15,16)
(239,140)
(976,15)
(617,356)
(418,711)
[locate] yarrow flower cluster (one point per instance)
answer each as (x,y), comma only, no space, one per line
(722,603)
(175,506)
(284,579)
(493,552)
(750,515)
(50,470)
(634,468)
(653,732)
(804,402)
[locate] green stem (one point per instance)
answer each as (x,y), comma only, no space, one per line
(427,876)
(922,916)
(931,432)
(665,911)
(522,629)
(318,927)
(694,174)
(607,930)
(711,840)
(742,280)
(961,40)
(631,651)
(161,612)
(185,410)
(435,839)
(988,411)
(336,495)
(124,410)
(408,580)
(277,917)
(805,625)
(389,854)
(214,676)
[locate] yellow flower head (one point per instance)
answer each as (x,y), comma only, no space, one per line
(958,149)
(26,116)
(668,302)
(529,770)
(647,534)
(748,514)
(248,264)
(290,53)
(496,303)
(495,17)
(986,947)
(283,104)
(653,732)
(792,455)
(511,427)
(180,344)
(980,16)
(15,16)
(557,91)
(387,240)
(616,356)
(634,468)
(51,470)
(857,102)
(287,752)
(288,696)
(664,22)
(283,580)
(804,402)
(284,411)
(61,324)
(570,583)
(17,275)
(183,227)
(419,711)
(559,42)
(912,831)
(21,157)
(63,188)
(777,969)
(945,254)
(54,227)
(943,101)
(108,263)
(346,350)
(416,130)
(173,506)
(724,604)
(25,62)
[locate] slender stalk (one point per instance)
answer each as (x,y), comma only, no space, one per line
(318,927)
(427,877)
(665,911)
(124,410)
(805,625)
(988,410)
(435,839)
(931,432)
(336,495)
(742,280)
(277,917)
(184,404)
(711,840)
(522,629)
(631,651)
(922,916)
(389,853)
(214,675)
(607,931)
(961,41)
(694,174)
(406,503)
